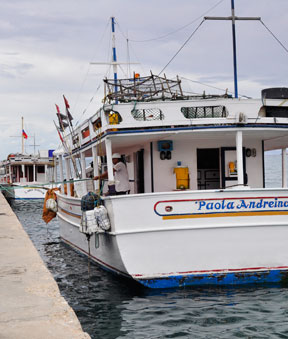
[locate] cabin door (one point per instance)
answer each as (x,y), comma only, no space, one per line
(229,166)
(139,171)
(208,168)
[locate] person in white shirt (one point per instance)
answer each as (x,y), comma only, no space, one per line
(122,185)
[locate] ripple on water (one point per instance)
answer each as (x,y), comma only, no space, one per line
(109,307)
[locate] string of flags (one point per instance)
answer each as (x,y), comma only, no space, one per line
(64,120)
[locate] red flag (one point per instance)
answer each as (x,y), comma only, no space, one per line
(25,136)
(66,102)
(58,109)
(69,116)
(60,136)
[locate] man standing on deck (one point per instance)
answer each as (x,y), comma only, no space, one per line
(122,185)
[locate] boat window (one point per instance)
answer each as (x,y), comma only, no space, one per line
(40,169)
(276,111)
(204,112)
(85,132)
(97,124)
(147,114)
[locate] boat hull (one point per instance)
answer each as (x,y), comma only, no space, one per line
(101,247)
(219,278)
(26,193)
(168,240)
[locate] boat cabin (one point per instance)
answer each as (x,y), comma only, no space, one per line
(171,142)
(26,168)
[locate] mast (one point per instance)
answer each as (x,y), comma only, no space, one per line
(34,144)
(22,136)
(114,62)
(234,49)
(114,56)
(233,18)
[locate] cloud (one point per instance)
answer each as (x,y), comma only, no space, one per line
(47,47)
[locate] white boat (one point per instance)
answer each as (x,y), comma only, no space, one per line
(198,211)
(27,176)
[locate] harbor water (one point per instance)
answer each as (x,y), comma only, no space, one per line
(112,307)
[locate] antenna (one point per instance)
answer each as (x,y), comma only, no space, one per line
(114,62)
(34,145)
(233,18)
(20,136)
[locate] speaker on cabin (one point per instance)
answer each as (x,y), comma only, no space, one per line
(165,147)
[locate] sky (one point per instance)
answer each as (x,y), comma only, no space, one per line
(46,50)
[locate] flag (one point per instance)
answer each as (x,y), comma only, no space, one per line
(62,123)
(69,116)
(58,109)
(60,136)
(24,135)
(61,119)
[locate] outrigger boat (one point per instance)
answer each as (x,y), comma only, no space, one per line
(198,211)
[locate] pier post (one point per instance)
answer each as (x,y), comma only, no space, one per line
(284,168)
(239,151)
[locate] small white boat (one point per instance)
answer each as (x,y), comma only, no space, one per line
(198,211)
(27,176)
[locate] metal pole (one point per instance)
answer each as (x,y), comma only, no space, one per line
(61,173)
(284,168)
(34,173)
(108,145)
(95,166)
(114,57)
(22,135)
(234,49)
(239,151)
(83,171)
(68,175)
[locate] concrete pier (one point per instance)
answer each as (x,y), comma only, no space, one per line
(30,302)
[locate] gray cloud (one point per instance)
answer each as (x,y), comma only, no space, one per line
(46,48)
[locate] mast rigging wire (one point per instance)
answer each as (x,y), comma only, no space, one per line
(274,36)
(184,44)
(177,30)
(218,88)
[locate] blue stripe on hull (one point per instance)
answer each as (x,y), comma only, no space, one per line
(239,278)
